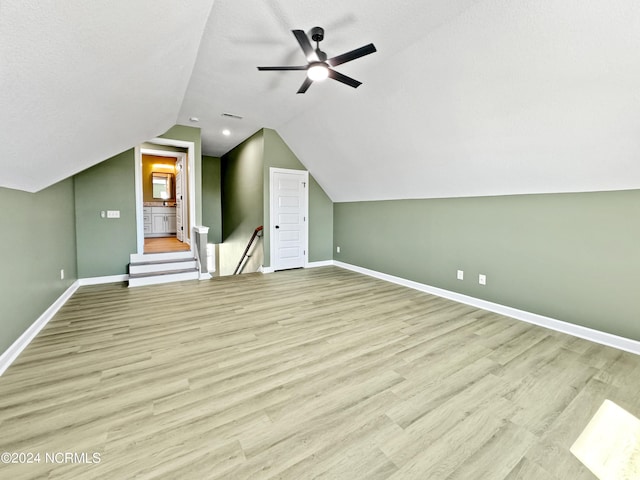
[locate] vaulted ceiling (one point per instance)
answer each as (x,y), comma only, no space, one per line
(463,97)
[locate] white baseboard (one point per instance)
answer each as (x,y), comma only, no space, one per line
(102,280)
(615,341)
(322,263)
(9,356)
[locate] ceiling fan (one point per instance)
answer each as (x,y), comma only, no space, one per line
(318,66)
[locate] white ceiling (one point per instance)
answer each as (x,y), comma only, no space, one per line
(462,98)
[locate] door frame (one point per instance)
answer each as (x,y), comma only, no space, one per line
(180,162)
(272,236)
(190,183)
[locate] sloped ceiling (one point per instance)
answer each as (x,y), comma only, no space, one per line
(462,98)
(81,81)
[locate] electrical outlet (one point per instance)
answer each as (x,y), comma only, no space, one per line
(460,275)
(103,214)
(482,279)
(337,249)
(62,274)
(113,213)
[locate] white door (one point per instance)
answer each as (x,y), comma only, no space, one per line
(179,200)
(289,212)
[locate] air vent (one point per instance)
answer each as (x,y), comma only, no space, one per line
(231,115)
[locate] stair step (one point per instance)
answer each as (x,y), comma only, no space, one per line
(158,257)
(163,266)
(162,277)
(161,272)
(158,262)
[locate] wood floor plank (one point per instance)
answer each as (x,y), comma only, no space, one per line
(317,373)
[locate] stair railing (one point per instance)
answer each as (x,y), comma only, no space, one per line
(256,232)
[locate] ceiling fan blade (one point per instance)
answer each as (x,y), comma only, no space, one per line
(305,85)
(352,55)
(305,44)
(293,67)
(344,79)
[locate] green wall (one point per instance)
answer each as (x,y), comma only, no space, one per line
(246,198)
(38,241)
(61,228)
(320,223)
(212,197)
(104,244)
(574,257)
(278,154)
(242,209)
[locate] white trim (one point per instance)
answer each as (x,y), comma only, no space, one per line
(201,229)
(272,248)
(323,263)
(16,348)
(139,199)
(615,341)
(102,280)
(191,180)
(205,276)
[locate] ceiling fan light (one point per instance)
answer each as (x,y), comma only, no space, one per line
(318,72)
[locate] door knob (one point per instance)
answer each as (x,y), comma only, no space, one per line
(277,226)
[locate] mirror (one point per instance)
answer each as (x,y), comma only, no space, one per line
(162,185)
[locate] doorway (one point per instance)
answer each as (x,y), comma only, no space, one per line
(165,207)
(289,211)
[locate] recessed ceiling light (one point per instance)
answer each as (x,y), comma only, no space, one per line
(194,119)
(226,132)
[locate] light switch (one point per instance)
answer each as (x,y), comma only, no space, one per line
(113,213)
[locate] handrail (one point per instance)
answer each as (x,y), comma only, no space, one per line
(246,250)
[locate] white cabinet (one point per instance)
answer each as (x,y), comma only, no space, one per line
(160,221)
(171,222)
(146,215)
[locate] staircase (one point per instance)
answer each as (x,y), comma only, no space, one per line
(157,268)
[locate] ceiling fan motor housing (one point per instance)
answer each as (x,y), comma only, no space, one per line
(317,34)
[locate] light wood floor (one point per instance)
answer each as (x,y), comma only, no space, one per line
(164,244)
(319,373)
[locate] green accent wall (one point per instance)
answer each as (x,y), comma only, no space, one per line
(320,223)
(212,197)
(277,154)
(573,257)
(246,199)
(38,241)
(242,209)
(104,244)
